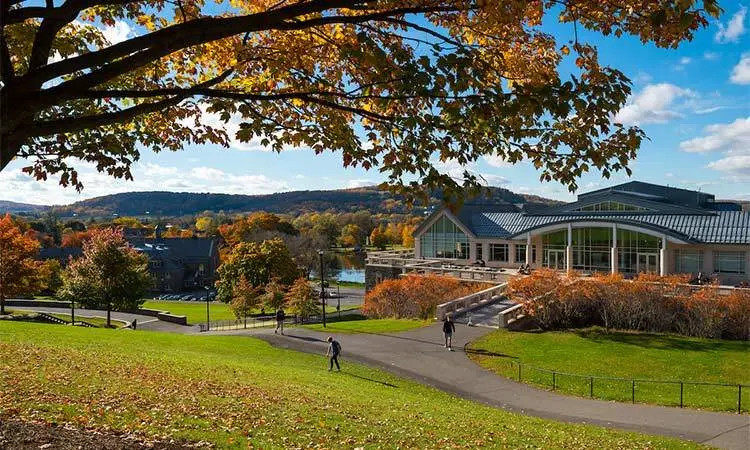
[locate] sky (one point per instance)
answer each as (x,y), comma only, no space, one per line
(692,102)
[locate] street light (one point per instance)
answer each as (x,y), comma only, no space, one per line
(208,302)
(322,288)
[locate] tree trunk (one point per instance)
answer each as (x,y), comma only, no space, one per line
(2,304)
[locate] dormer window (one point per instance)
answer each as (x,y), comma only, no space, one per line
(610,207)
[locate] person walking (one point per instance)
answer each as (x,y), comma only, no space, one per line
(333,352)
(280,316)
(448,328)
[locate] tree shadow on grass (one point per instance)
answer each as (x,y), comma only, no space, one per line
(660,341)
(384,383)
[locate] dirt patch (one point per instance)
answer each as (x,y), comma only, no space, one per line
(17,435)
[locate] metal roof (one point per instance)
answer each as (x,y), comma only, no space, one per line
(723,227)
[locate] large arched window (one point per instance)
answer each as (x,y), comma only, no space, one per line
(444,240)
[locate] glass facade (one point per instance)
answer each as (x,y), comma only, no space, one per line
(521,253)
(592,249)
(479,251)
(729,262)
(611,207)
(638,252)
(444,240)
(688,261)
(553,249)
(499,252)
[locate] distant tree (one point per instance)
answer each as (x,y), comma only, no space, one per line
(52,280)
(245,298)
(258,263)
(253,227)
(351,235)
(326,226)
(127,222)
(75,225)
(378,238)
(302,300)
(74,239)
(207,225)
(407,235)
(20,272)
(109,274)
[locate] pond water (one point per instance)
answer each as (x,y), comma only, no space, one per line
(343,267)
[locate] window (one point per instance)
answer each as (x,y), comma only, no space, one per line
(156,263)
(632,243)
(521,253)
(688,261)
(444,239)
(479,251)
(729,262)
(592,249)
(610,207)
(499,252)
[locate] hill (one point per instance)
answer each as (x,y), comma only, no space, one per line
(15,208)
(183,203)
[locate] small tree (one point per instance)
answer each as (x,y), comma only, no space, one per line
(302,299)
(378,238)
(245,299)
(274,296)
(109,274)
(20,273)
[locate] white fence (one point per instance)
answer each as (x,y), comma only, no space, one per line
(470,302)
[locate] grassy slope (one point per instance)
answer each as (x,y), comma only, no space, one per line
(231,390)
(98,321)
(196,311)
(358,324)
(627,355)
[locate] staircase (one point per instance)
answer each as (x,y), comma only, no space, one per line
(487,315)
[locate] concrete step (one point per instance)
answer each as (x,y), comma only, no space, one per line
(487,315)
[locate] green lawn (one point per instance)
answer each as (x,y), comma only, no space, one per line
(196,311)
(239,392)
(359,324)
(592,352)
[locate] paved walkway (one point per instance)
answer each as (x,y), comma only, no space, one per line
(420,355)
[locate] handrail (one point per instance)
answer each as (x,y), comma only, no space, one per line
(469,302)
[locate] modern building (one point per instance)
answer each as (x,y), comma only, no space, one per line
(630,228)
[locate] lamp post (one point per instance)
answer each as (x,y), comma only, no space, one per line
(208,317)
(322,288)
(73,312)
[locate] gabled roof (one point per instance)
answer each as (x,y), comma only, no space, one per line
(656,192)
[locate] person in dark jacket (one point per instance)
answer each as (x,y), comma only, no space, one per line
(280,316)
(448,328)
(333,352)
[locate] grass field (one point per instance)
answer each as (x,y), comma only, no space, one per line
(358,324)
(196,311)
(239,392)
(592,352)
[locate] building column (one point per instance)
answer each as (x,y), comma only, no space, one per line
(528,249)
(663,256)
(569,250)
(472,250)
(615,258)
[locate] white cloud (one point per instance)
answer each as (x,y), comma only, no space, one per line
(643,77)
(496,161)
(732,138)
(362,182)
(455,170)
(739,164)
(654,104)
(735,28)
(711,56)
(117,33)
(148,177)
(685,60)
(741,72)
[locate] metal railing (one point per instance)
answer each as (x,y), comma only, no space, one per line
(250,322)
(605,388)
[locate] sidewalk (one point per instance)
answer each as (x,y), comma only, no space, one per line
(420,355)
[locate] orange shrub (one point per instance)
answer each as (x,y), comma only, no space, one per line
(415,296)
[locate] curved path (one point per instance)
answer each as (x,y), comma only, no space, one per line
(420,355)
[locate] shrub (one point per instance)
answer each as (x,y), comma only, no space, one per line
(646,303)
(415,296)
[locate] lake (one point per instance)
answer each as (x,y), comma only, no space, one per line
(343,267)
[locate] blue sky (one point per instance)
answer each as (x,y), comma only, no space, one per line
(693,103)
